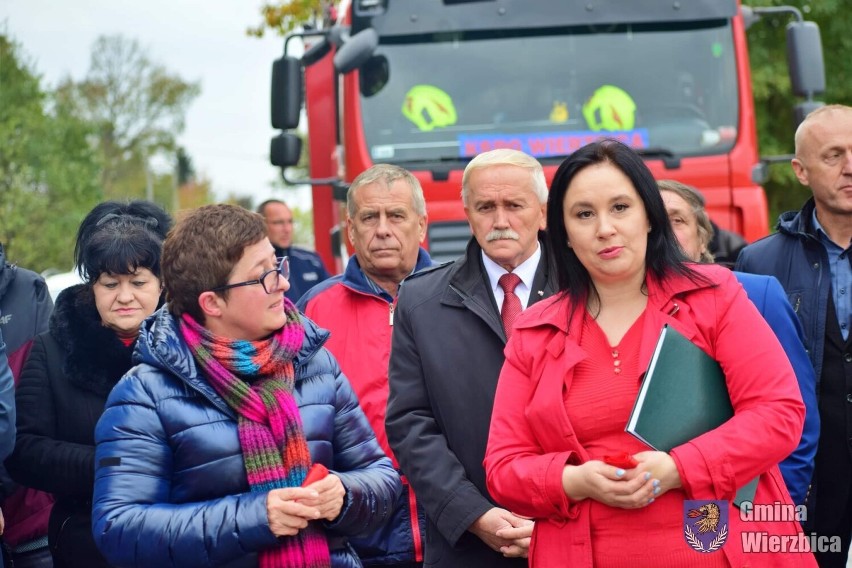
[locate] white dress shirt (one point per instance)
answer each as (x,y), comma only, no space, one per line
(526,272)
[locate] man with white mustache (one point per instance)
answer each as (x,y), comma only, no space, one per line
(451,325)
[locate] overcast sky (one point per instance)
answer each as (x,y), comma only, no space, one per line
(227,129)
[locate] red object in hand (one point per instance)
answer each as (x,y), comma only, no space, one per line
(622,460)
(317,472)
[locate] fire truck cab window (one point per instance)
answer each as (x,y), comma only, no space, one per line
(511,86)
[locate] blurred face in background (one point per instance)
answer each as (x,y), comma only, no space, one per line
(684,224)
(124,300)
(279,224)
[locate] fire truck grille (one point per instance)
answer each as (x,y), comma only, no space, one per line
(447,240)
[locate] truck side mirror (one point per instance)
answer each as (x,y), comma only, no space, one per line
(356,50)
(316,52)
(286,92)
(804,57)
(285,150)
(803,109)
(749,17)
(374,75)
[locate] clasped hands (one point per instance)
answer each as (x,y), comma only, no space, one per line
(504,532)
(290,509)
(655,474)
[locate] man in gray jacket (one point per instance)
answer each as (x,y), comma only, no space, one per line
(450,328)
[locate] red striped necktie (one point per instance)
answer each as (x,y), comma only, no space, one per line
(511,303)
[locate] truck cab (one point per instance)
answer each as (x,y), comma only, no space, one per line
(444,80)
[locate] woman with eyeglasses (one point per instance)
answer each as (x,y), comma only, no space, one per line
(72,367)
(209,450)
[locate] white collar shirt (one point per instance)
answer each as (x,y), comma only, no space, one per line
(525,270)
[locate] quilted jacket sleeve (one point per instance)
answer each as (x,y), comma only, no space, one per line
(7,403)
(133,522)
(372,484)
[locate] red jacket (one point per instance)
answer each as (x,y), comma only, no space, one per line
(360,320)
(531,438)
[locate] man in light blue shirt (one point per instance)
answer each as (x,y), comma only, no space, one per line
(810,257)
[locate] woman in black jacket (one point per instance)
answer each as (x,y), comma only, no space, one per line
(72,368)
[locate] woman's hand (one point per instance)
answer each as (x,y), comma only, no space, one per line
(287,511)
(520,534)
(504,532)
(662,467)
(613,486)
(330,494)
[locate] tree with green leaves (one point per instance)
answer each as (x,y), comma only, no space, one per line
(139,108)
(284,17)
(48,168)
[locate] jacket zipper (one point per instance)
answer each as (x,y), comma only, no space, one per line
(415,520)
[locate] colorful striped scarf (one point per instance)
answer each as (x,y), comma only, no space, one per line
(256,379)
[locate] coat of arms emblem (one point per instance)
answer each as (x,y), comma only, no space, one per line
(705,524)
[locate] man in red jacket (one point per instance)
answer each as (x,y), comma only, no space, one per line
(386,222)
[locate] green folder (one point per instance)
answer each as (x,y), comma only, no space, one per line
(683,395)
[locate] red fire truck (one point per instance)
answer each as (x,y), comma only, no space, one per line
(428,84)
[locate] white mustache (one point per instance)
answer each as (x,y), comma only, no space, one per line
(502,234)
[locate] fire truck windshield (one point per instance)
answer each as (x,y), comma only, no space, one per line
(447,97)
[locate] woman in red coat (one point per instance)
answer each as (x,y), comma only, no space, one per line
(573,370)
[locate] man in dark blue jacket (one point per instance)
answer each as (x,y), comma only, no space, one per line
(7,407)
(810,257)
(25,307)
(306,267)
(7,414)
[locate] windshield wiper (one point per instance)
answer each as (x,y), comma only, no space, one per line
(670,160)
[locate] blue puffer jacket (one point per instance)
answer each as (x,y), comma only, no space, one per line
(170,482)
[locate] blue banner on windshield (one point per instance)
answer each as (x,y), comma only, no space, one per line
(547,144)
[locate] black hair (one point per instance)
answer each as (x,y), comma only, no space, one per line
(663,255)
(118,238)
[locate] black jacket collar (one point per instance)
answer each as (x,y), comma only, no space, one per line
(94,357)
(469,286)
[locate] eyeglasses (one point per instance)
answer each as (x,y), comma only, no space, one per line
(270,280)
